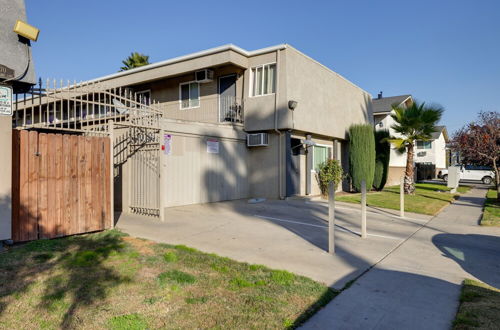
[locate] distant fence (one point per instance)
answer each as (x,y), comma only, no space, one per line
(425,171)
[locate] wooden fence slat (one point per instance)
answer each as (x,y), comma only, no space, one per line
(42,218)
(52,208)
(95,185)
(88,183)
(82,182)
(59,191)
(74,183)
(108,172)
(32,223)
(16,148)
(66,197)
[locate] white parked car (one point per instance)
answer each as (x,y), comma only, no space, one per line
(472,172)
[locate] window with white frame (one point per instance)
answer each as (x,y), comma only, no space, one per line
(320,155)
(189,95)
(424,144)
(264,79)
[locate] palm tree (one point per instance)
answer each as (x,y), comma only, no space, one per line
(135,60)
(416,122)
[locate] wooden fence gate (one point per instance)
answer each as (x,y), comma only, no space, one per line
(61,185)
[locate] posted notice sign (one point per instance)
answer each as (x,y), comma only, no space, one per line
(213,146)
(6,101)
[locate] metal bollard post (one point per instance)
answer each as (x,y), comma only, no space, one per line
(363,209)
(331,218)
(402,197)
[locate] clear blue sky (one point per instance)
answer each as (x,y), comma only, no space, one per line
(444,51)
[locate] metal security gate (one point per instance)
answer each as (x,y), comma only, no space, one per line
(95,110)
(144,150)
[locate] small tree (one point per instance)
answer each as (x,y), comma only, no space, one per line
(382,157)
(135,60)
(417,122)
(361,155)
(329,171)
(479,143)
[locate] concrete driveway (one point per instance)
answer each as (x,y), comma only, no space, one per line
(290,235)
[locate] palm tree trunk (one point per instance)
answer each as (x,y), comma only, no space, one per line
(409,185)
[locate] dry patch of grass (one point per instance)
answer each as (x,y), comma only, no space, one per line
(111,281)
(428,199)
(491,213)
(479,307)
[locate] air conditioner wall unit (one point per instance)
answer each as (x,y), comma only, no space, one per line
(204,76)
(257,140)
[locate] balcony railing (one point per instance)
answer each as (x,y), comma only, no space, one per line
(209,109)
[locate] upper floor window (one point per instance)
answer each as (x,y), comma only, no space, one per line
(189,95)
(424,144)
(264,79)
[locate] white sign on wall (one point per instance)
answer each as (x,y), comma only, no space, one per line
(167,144)
(213,146)
(6,101)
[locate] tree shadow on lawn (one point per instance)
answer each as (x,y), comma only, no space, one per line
(73,267)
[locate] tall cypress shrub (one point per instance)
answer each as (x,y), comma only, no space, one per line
(361,155)
(382,157)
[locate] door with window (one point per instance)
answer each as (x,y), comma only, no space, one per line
(228,107)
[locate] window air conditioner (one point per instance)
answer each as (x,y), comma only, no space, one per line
(257,140)
(204,76)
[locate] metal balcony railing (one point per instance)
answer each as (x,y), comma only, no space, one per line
(209,109)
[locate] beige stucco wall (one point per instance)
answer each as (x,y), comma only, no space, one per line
(259,110)
(167,93)
(5,176)
(264,165)
(327,103)
(191,175)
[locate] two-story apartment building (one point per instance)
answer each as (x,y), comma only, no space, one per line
(426,152)
(215,103)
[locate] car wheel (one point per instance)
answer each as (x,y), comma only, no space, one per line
(445,178)
(487,180)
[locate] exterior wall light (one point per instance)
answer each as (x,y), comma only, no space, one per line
(292,105)
(25,30)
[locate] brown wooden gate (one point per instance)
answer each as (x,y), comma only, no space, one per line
(60,186)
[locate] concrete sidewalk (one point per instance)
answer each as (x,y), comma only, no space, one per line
(290,235)
(417,286)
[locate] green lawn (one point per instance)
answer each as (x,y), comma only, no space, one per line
(112,281)
(491,214)
(429,198)
(479,307)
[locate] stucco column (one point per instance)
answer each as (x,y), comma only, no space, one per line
(5,177)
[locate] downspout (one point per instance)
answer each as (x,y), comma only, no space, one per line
(280,165)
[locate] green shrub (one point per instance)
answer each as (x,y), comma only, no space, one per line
(329,171)
(361,155)
(170,257)
(382,157)
(176,276)
(129,322)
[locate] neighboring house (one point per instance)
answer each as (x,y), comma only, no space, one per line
(434,151)
(426,152)
(213,102)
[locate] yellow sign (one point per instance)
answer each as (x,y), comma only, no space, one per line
(26,30)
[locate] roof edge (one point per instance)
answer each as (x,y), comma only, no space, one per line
(182,58)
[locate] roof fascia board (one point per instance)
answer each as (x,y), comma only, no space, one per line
(174,60)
